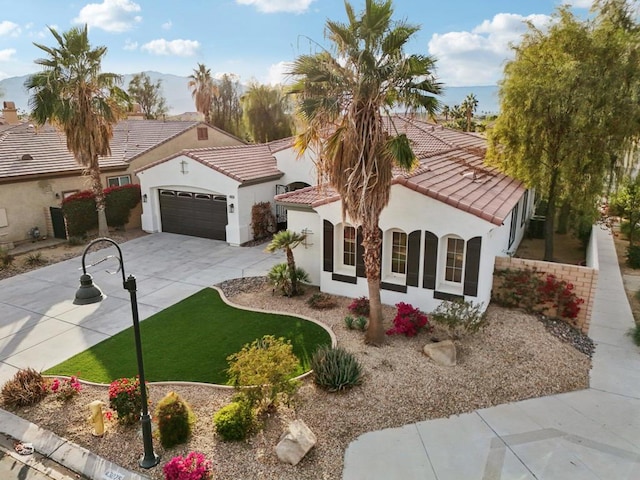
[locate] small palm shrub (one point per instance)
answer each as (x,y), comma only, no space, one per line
(194,466)
(459,317)
(126,400)
(359,306)
(265,369)
(235,421)
(321,301)
(280,277)
(175,419)
(27,387)
(35,259)
(335,369)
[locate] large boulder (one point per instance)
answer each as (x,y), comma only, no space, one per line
(295,442)
(443,353)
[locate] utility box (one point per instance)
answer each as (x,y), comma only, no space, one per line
(536,226)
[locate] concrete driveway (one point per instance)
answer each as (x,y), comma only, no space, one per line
(40,326)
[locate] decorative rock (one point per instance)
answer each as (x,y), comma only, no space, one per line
(443,353)
(295,442)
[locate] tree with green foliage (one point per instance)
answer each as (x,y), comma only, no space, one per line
(343,98)
(202,90)
(265,111)
(148,95)
(74,94)
(560,120)
(226,112)
(287,240)
(469,106)
(626,203)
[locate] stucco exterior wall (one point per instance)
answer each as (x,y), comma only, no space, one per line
(247,197)
(296,169)
(309,256)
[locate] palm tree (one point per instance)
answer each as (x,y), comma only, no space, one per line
(469,105)
(202,90)
(287,240)
(343,100)
(73,94)
(446,111)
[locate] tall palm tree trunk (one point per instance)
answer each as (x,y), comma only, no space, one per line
(292,271)
(98,193)
(371,242)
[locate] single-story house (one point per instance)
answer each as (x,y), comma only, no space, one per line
(37,171)
(445,223)
(210,192)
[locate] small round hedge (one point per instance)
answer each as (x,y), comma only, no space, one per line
(234,421)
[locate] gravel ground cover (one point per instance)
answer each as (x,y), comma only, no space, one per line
(514,358)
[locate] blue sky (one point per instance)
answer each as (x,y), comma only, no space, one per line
(255,39)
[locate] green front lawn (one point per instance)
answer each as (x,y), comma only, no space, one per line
(190,341)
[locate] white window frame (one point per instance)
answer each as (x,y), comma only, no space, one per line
(444,284)
(388,275)
(340,267)
(118,180)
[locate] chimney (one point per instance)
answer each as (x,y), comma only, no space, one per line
(135,113)
(10,113)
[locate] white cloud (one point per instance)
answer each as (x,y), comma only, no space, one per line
(110,15)
(6,54)
(9,28)
(130,45)
(579,3)
(272,6)
(278,73)
(179,48)
(477,57)
(167,25)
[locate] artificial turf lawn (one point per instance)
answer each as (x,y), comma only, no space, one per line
(190,341)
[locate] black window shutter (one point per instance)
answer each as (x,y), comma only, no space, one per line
(327,250)
(472,267)
(359,255)
(413,258)
(430,260)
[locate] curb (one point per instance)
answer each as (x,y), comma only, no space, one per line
(64,452)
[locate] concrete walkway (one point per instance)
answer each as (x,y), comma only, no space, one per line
(584,435)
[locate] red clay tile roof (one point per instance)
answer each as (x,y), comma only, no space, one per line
(49,155)
(282,144)
(451,170)
(246,164)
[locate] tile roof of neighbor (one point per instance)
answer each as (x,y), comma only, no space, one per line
(451,170)
(27,151)
(246,164)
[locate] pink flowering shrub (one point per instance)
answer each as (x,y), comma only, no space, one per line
(194,466)
(125,398)
(66,388)
(408,320)
(359,306)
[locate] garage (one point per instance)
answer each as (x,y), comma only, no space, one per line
(196,214)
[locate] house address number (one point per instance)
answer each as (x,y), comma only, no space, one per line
(111,475)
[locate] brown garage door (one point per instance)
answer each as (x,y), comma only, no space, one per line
(196,214)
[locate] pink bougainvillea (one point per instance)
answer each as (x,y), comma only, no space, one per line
(194,466)
(408,320)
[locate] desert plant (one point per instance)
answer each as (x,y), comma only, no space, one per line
(66,388)
(335,369)
(459,317)
(265,370)
(35,259)
(6,258)
(408,320)
(280,277)
(126,400)
(349,322)
(361,323)
(194,466)
(27,387)
(321,301)
(287,240)
(633,256)
(235,421)
(175,419)
(359,306)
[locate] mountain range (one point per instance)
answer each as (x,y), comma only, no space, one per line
(178,96)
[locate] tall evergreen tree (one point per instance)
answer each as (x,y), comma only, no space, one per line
(265,111)
(148,95)
(226,111)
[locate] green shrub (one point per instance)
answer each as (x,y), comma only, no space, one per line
(635,334)
(349,322)
(235,421)
(27,387)
(119,201)
(280,278)
(361,323)
(335,369)
(80,213)
(175,419)
(633,256)
(459,317)
(126,400)
(321,301)
(6,258)
(265,369)
(35,259)
(76,240)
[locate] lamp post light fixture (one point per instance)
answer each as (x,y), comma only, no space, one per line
(90,293)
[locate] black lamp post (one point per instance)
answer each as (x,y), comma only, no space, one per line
(90,293)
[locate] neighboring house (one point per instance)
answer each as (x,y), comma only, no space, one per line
(210,192)
(446,222)
(37,171)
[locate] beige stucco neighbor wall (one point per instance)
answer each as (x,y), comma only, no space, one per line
(584,280)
